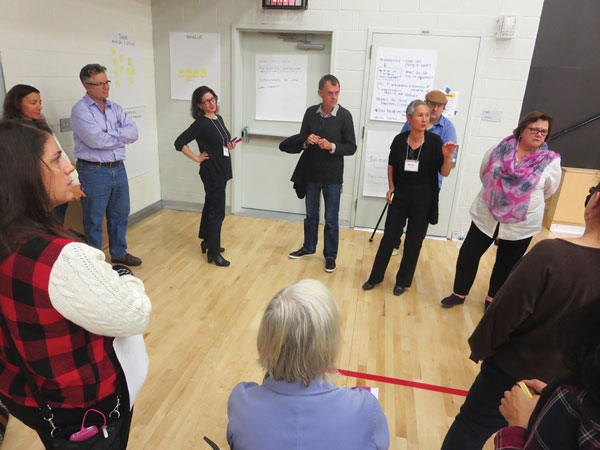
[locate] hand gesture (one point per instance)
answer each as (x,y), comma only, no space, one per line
(312,139)
(448,149)
(516,407)
(324,144)
(231,145)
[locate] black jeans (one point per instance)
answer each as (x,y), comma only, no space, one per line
(213,212)
(479,416)
(471,251)
(412,203)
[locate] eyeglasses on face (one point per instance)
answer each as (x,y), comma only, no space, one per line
(101,84)
(210,100)
(435,104)
(541,131)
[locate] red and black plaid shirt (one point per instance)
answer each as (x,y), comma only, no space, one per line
(71,367)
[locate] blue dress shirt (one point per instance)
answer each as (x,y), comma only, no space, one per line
(101,136)
(278,415)
(444,129)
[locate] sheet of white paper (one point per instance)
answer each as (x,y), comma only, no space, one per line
(136,154)
(195,60)
(375,183)
(451,109)
(131,353)
(125,71)
(281,87)
(402,75)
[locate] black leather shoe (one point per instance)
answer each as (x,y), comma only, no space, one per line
(398,290)
(452,300)
(204,247)
(299,253)
(218,260)
(127,260)
(368,286)
(329,265)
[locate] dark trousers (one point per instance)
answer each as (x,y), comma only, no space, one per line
(471,251)
(412,203)
(479,416)
(213,212)
(331,234)
(69,419)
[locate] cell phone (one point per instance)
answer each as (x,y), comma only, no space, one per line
(526,389)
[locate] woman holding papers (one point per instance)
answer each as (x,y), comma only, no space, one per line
(62,304)
(214,142)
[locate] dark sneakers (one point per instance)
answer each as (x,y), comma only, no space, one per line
(127,260)
(398,290)
(300,253)
(368,286)
(329,265)
(452,300)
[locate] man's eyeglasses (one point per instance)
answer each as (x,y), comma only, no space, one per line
(435,104)
(101,84)
(210,100)
(541,131)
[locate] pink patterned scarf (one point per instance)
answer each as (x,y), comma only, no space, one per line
(508,184)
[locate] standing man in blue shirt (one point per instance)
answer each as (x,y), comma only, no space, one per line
(438,124)
(100,130)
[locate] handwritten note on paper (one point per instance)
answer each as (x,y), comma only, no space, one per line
(281,87)
(402,75)
(375,183)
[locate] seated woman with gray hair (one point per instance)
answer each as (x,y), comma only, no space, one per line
(298,405)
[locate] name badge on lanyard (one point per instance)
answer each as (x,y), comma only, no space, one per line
(225,151)
(411,165)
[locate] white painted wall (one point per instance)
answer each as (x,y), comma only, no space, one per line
(500,81)
(46,43)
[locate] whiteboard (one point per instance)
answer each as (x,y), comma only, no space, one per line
(195,60)
(125,71)
(375,181)
(136,154)
(401,76)
(281,87)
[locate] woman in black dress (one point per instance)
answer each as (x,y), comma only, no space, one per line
(416,157)
(214,142)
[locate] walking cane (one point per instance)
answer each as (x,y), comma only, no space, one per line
(380,217)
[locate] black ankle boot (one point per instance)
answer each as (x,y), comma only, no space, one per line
(218,260)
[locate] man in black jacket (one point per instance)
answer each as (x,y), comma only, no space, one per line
(329,132)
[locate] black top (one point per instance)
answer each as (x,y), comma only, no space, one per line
(322,166)
(211,136)
(431,160)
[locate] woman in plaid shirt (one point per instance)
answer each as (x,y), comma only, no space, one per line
(62,304)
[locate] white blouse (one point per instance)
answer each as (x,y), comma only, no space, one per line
(548,184)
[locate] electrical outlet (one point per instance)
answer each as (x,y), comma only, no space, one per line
(65,125)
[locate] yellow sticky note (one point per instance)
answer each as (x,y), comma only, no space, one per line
(116,74)
(130,80)
(182,72)
(113,51)
(118,83)
(190,77)
(129,71)
(114,61)
(130,61)
(121,69)
(133,71)
(121,58)
(196,72)
(204,73)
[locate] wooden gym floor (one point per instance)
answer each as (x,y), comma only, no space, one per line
(202,334)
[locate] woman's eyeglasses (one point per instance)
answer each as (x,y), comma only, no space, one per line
(210,100)
(541,131)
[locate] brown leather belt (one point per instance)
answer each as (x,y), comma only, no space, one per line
(106,164)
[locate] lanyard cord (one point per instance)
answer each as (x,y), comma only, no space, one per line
(220,134)
(412,152)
